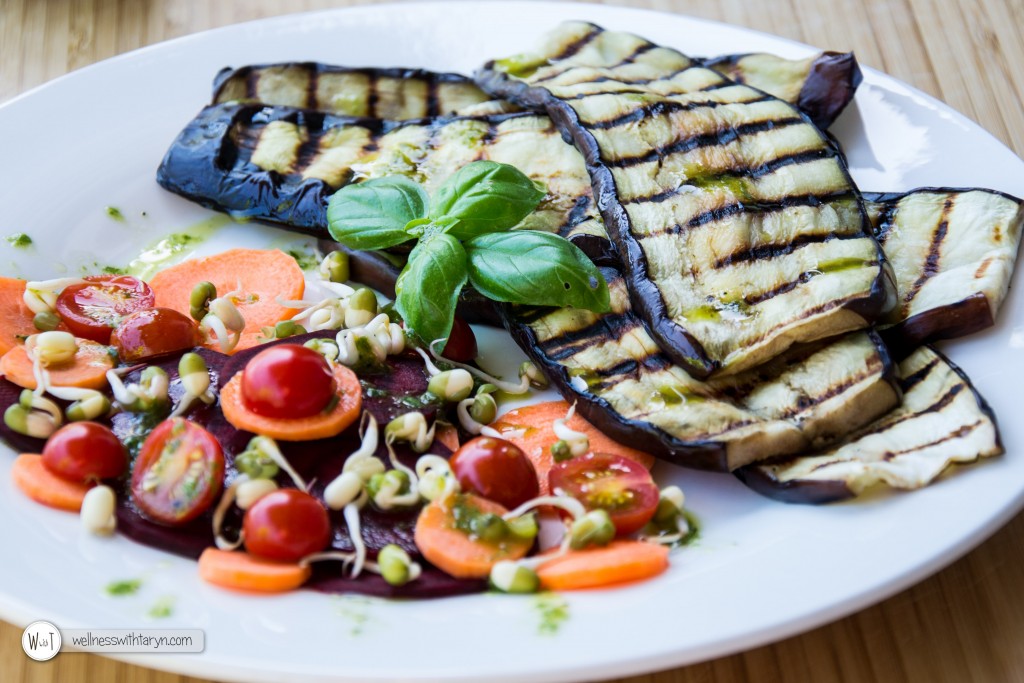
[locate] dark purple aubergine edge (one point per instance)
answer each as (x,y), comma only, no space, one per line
(886,197)
(830,85)
(317,68)
(967,316)
(808,492)
(647,301)
(317,461)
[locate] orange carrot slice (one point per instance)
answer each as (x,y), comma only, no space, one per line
(454,551)
(320,426)
(15,316)
(88,369)
(262,275)
(241,571)
(43,486)
(618,562)
(536,422)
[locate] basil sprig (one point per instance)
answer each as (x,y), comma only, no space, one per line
(464,235)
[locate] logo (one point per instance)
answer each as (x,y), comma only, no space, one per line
(41,641)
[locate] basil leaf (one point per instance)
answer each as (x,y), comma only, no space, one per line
(537,269)
(485,197)
(428,287)
(373,214)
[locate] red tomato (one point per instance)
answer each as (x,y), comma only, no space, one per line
(95,307)
(85,452)
(154,332)
(178,473)
(287,381)
(286,525)
(619,485)
(461,345)
(495,469)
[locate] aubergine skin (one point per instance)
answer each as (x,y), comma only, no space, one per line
(828,86)
(905,449)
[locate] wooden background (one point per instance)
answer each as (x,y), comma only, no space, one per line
(964,624)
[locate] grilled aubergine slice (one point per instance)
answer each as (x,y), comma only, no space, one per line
(739,229)
(821,86)
(622,382)
(282,163)
(952,251)
(395,94)
(941,420)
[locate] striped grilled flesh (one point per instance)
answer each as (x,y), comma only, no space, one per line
(952,252)
(622,382)
(941,420)
(394,94)
(282,164)
(738,226)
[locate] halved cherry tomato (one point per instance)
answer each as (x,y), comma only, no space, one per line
(495,469)
(461,346)
(178,473)
(92,309)
(286,525)
(85,452)
(619,485)
(154,332)
(287,381)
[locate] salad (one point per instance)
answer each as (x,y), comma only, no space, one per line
(352,443)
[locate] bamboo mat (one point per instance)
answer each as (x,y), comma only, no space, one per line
(964,624)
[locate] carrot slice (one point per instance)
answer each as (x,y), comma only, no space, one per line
(320,426)
(618,562)
(88,369)
(536,425)
(241,571)
(448,435)
(262,275)
(15,316)
(43,486)
(454,551)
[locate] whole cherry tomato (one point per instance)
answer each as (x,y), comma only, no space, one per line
(178,473)
(154,332)
(461,346)
(620,486)
(495,469)
(286,525)
(92,309)
(287,381)
(85,452)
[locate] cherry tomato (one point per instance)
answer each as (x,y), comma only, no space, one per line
(601,480)
(461,346)
(287,381)
(92,309)
(85,452)
(286,525)
(154,332)
(178,473)
(495,469)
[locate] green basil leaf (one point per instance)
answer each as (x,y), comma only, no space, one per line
(485,197)
(429,285)
(537,269)
(373,214)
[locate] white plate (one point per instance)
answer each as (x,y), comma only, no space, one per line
(762,570)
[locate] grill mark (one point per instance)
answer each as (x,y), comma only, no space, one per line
(663,108)
(371,94)
(720,137)
(613,375)
(886,221)
(983,268)
(931,263)
(252,79)
(770,251)
(755,173)
(433,104)
(935,407)
(805,403)
(961,432)
(567,52)
(722,212)
(913,379)
(615,326)
(803,278)
(577,214)
(312,87)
